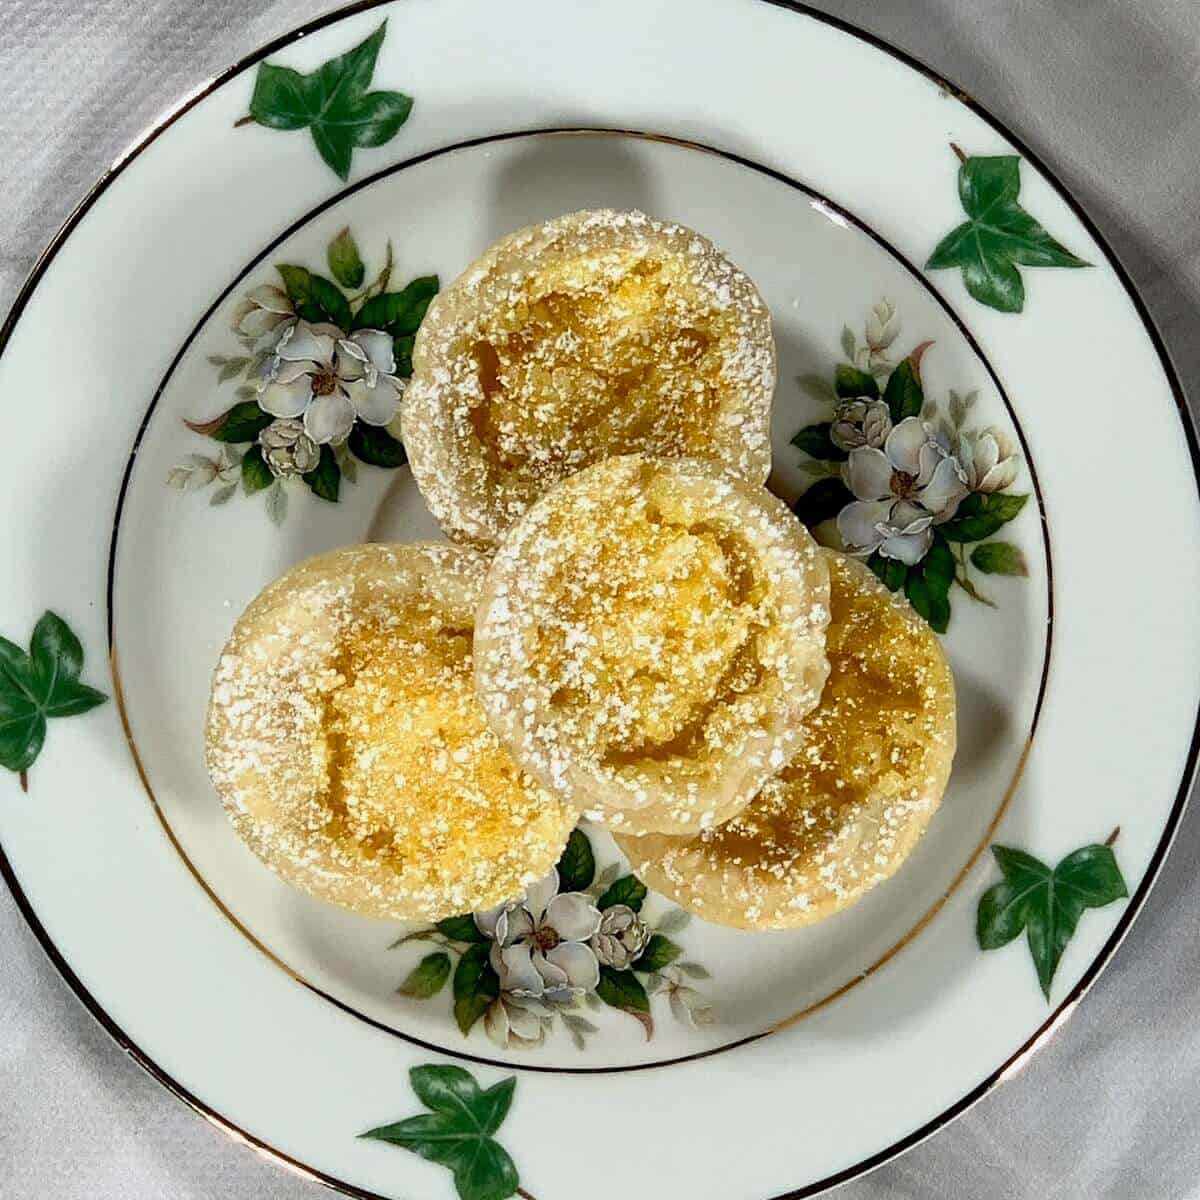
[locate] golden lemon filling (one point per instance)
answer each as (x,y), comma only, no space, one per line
(346,740)
(598,356)
(594,335)
(850,806)
(649,636)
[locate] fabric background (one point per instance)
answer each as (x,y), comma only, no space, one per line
(1108,93)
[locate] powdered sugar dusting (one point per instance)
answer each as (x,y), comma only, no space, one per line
(596,334)
(851,805)
(650,635)
(352,756)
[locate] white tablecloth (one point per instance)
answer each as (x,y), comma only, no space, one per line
(1108,91)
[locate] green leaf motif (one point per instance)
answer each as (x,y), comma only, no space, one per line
(428,977)
(345,262)
(38,686)
(623,990)
(627,890)
(460,929)
(333,103)
(849,383)
(979,516)
(256,475)
(660,952)
(399,313)
(1000,558)
(241,423)
(826,498)
(577,866)
(325,478)
(459,1130)
(927,585)
(373,444)
(815,441)
(1045,903)
(476,985)
(998,235)
(890,572)
(316,298)
(904,395)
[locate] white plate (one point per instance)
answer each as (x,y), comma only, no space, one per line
(826,165)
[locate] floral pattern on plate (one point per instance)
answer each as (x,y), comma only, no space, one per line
(577,939)
(904,483)
(321,375)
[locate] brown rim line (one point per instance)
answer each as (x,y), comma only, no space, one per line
(1188,776)
(829,206)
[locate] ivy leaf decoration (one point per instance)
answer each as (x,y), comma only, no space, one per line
(998,235)
(627,890)
(577,866)
(1045,903)
(373,444)
(37,686)
(623,990)
(458,1130)
(345,262)
(332,102)
(980,515)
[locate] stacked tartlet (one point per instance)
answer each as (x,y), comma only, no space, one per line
(631,629)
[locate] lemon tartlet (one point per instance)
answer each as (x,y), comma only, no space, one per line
(596,334)
(649,638)
(346,742)
(850,807)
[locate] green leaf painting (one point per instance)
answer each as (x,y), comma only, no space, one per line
(980,515)
(998,235)
(374,445)
(458,1130)
(476,985)
(401,312)
(999,558)
(660,952)
(627,890)
(316,298)
(623,990)
(345,262)
(577,866)
(427,977)
(333,103)
(1046,904)
(38,686)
